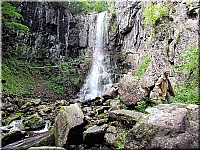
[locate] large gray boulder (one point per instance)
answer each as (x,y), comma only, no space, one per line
(130,90)
(95,134)
(68,118)
(166,126)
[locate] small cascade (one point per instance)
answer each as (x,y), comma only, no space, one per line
(16,125)
(46,128)
(29,138)
(99,78)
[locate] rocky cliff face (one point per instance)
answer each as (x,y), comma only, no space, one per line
(172,35)
(56,34)
(179,31)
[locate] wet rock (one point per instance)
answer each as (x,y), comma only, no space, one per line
(68,117)
(12,118)
(88,111)
(102,109)
(95,134)
(111,135)
(114,137)
(46,148)
(42,139)
(115,105)
(166,126)
(11,137)
(110,93)
(37,101)
(44,110)
(34,122)
(26,107)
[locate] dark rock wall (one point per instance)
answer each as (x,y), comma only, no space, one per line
(54,32)
(172,36)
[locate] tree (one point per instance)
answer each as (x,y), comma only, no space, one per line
(13,31)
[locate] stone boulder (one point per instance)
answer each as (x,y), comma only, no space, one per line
(95,134)
(113,137)
(110,93)
(126,118)
(166,126)
(67,119)
(130,90)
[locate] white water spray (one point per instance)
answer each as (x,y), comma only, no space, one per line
(99,78)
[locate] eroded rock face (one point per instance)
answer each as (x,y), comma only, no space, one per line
(130,34)
(166,126)
(174,35)
(54,32)
(68,118)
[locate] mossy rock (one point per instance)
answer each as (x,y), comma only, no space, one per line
(13,117)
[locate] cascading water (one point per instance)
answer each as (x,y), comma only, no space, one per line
(99,78)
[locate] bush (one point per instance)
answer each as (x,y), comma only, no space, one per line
(86,6)
(185,94)
(152,13)
(187,90)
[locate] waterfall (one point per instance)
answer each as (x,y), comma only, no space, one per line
(99,78)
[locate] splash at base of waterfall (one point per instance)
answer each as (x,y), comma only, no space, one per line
(99,78)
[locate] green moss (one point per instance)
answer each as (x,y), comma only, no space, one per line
(121,139)
(142,66)
(30,113)
(84,135)
(28,104)
(26,128)
(167,48)
(17,77)
(102,116)
(134,118)
(67,77)
(51,128)
(13,117)
(31,121)
(62,107)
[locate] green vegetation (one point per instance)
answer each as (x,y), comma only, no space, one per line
(112,24)
(187,95)
(13,117)
(17,77)
(66,77)
(142,66)
(187,91)
(141,106)
(86,6)
(121,139)
(13,32)
(152,14)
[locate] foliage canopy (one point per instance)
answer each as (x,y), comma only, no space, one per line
(86,6)
(12,29)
